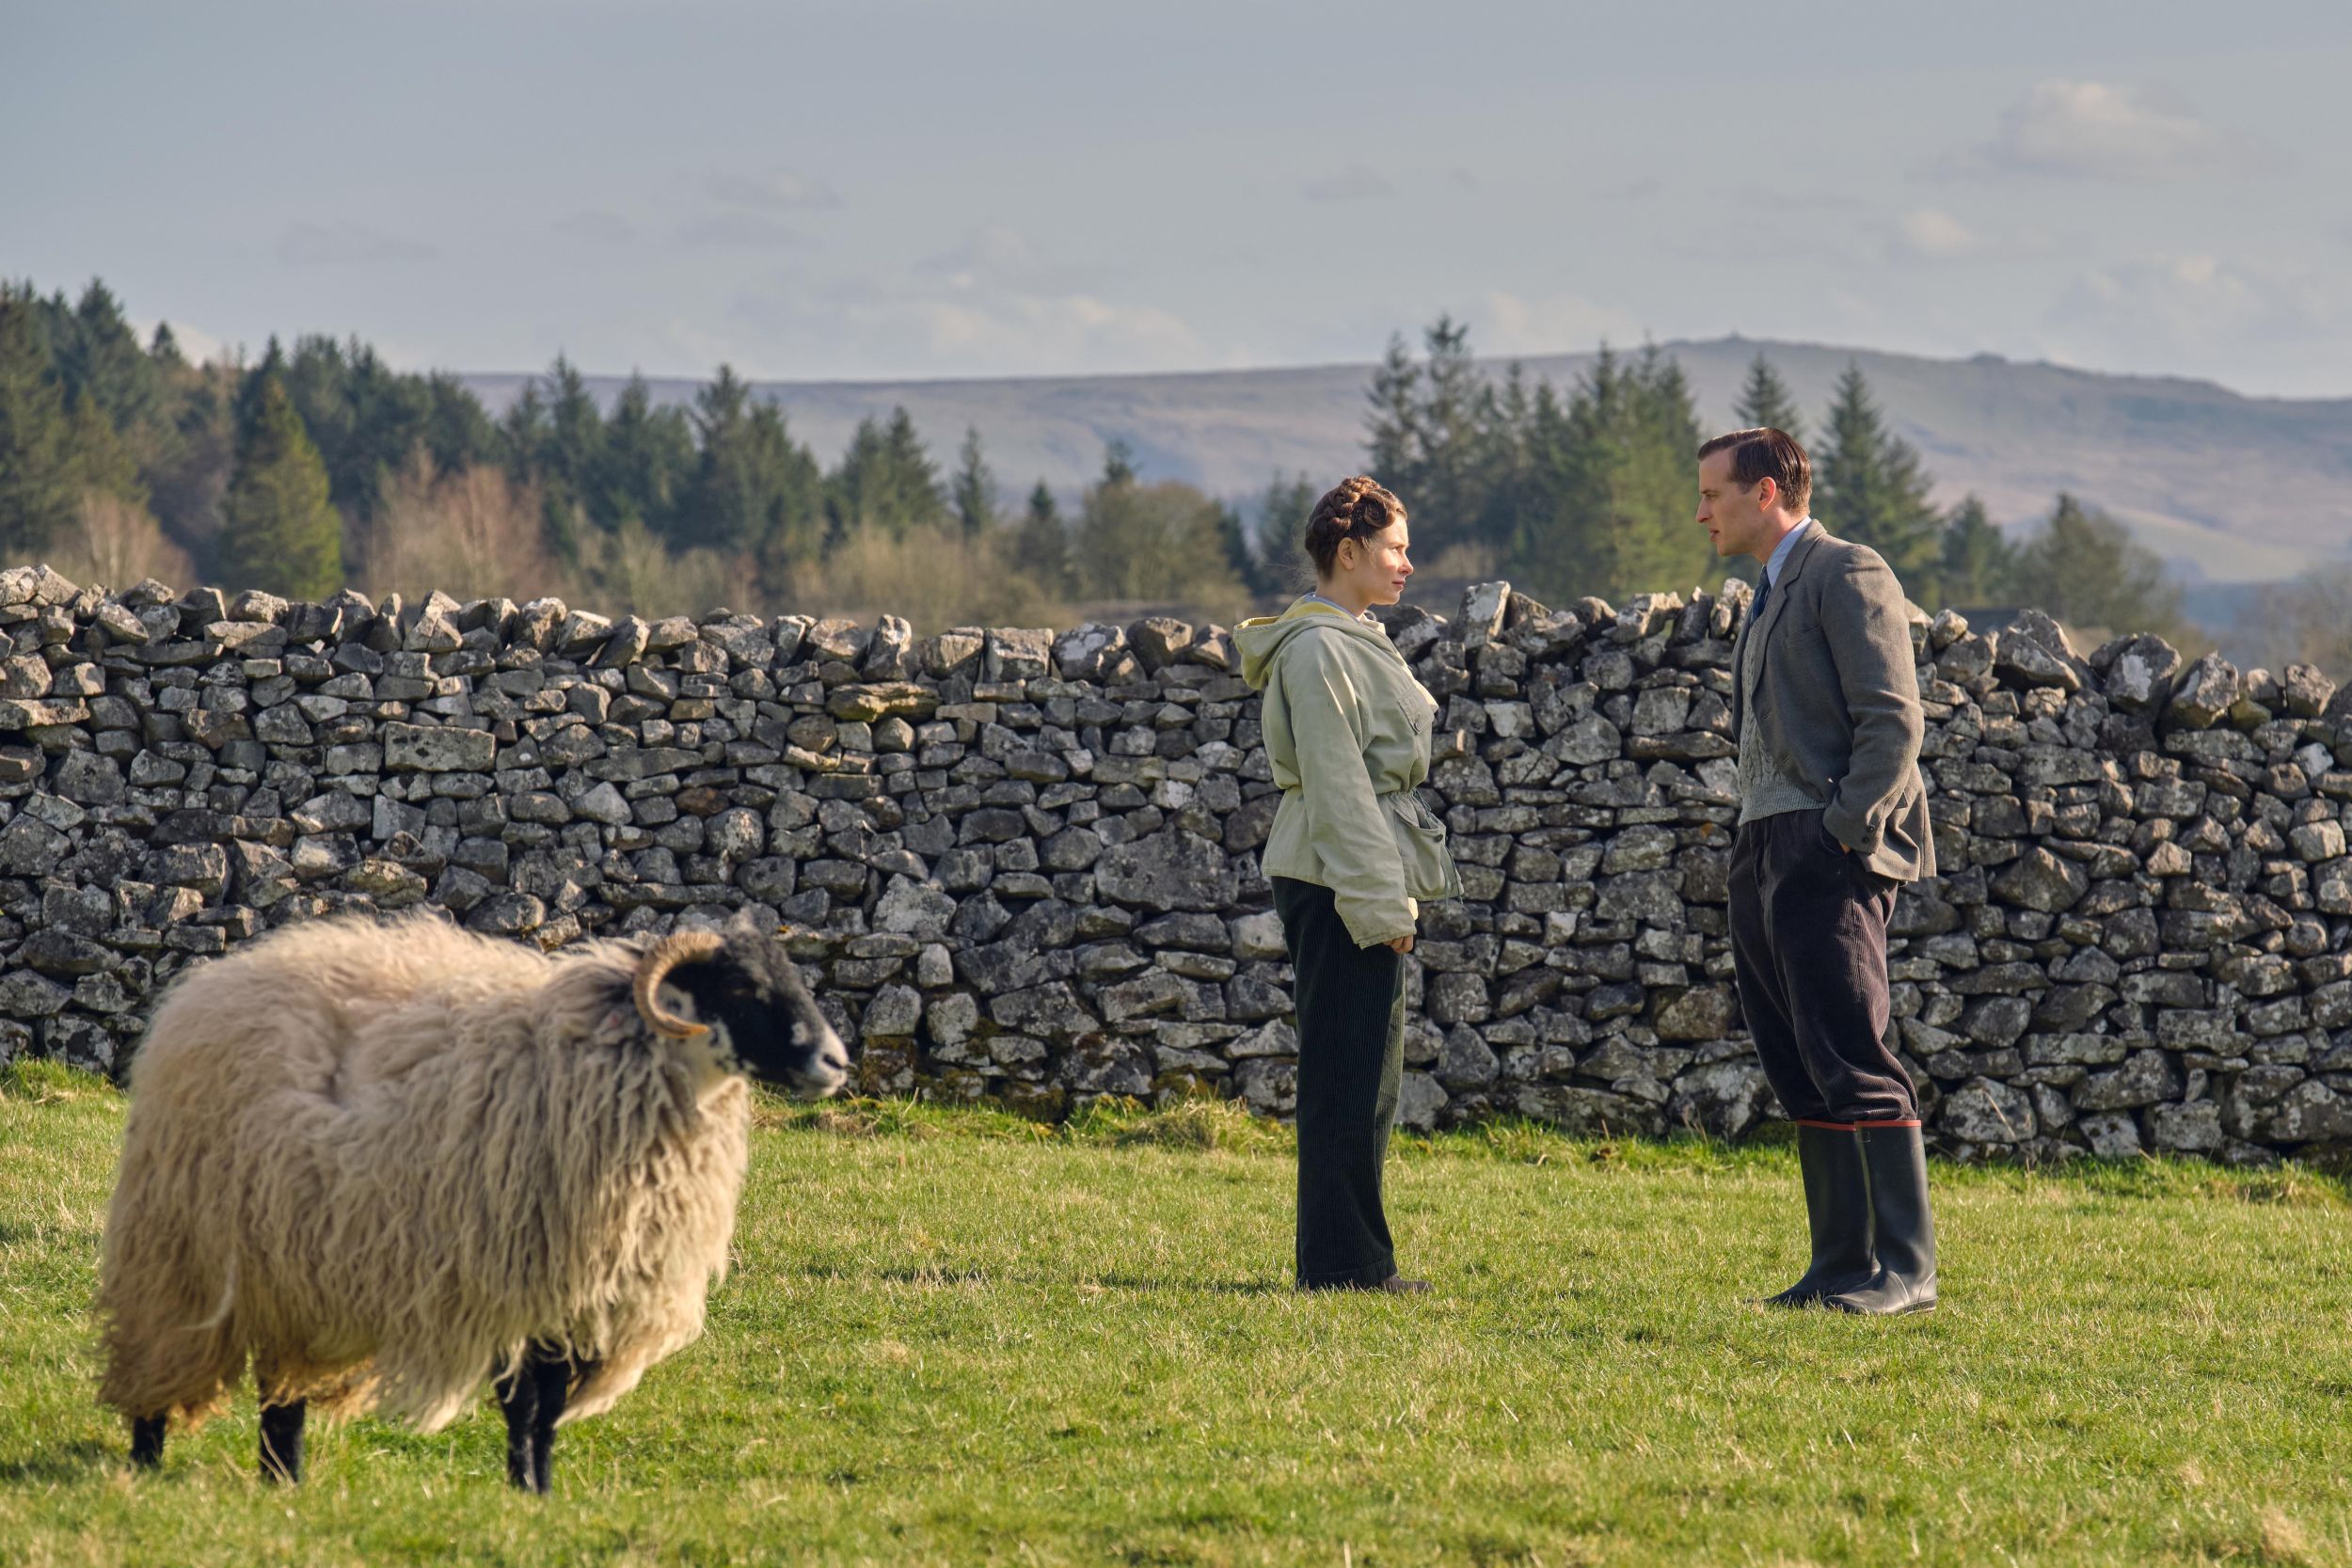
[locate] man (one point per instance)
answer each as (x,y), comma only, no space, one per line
(1833,818)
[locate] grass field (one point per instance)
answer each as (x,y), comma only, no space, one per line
(955,1338)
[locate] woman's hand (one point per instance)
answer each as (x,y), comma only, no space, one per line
(1403,944)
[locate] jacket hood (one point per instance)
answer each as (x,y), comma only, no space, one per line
(1262,639)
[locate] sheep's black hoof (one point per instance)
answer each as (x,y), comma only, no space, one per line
(281,1441)
(534,1398)
(518,1396)
(146,1442)
(554,1376)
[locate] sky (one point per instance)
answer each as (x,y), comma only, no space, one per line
(879,190)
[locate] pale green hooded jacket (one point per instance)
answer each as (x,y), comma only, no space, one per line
(1347,731)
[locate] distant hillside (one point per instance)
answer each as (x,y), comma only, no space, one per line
(2229,488)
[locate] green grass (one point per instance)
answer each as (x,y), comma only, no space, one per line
(953,1337)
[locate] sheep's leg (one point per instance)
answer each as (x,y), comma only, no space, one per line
(281,1440)
(552,1371)
(518,1396)
(146,1442)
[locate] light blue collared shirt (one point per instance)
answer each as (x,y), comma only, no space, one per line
(1780,551)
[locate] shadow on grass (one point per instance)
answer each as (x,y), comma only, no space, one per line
(73,1462)
(943,1275)
(2321,1179)
(1203,1287)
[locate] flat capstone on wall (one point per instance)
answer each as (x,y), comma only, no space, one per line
(1022,865)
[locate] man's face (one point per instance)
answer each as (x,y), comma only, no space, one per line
(1733,515)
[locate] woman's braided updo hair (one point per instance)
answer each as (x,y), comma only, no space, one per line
(1355,508)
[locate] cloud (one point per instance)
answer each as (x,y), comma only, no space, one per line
(2100,130)
(916,327)
(776,190)
(597,228)
(2196,309)
(1642,189)
(1353,183)
(738,231)
(1556,323)
(995,256)
(1462,178)
(346,243)
(1932,234)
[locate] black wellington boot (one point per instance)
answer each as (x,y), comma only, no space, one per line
(1905,1230)
(1836,1211)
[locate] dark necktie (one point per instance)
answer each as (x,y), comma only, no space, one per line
(1763,592)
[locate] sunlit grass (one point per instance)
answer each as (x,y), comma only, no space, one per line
(956,1336)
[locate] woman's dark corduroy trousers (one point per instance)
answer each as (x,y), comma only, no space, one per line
(1351,1063)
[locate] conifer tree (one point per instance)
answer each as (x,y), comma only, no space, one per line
(1448,482)
(2085,568)
(755,491)
(98,357)
(571,453)
(573,448)
(103,460)
(280,532)
(1611,480)
(458,429)
(975,486)
(792,526)
(647,462)
(1393,426)
(39,492)
(1280,549)
(914,477)
(1041,548)
(1764,401)
(1869,486)
(1233,537)
(1979,565)
(724,502)
(189,475)
(887,482)
(521,430)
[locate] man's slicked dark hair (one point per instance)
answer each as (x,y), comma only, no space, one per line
(1767,453)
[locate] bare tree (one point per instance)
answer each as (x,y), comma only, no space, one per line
(471,535)
(115,544)
(2308,621)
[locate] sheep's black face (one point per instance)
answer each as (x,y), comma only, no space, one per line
(762,1018)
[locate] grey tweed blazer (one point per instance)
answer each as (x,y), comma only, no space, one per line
(1837,699)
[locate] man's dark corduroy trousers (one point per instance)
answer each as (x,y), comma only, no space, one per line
(1350,1004)
(1808,945)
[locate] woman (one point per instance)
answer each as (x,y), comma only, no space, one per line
(1352,851)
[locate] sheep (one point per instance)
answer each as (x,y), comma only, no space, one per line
(383,1162)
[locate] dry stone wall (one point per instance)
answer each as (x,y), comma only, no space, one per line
(1022,865)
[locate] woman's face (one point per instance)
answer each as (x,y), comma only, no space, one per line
(1376,568)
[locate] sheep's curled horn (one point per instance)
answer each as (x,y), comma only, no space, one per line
(679,948)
